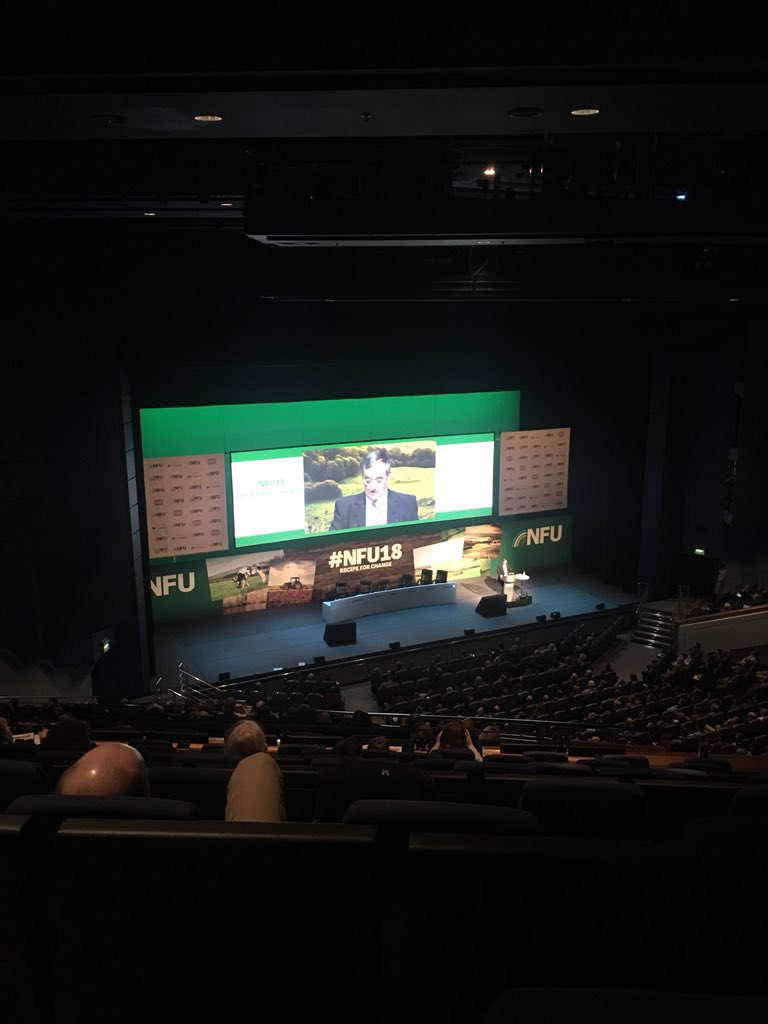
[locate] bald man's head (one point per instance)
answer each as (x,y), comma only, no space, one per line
(109,769)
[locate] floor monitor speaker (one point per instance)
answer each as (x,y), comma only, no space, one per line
(338,633)
(491,605)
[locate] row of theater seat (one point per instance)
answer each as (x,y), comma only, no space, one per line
(298,921)
(637,807)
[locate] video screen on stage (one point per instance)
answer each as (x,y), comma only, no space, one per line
(284,494)
(218,478)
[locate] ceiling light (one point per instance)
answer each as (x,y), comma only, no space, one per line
(489,171)
(148,213)
(208,118)
(227,204)
(585,111)
(681,196)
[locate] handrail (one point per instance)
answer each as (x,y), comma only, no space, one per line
(192,685)
(642,599)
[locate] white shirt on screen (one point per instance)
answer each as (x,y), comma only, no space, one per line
(376,512)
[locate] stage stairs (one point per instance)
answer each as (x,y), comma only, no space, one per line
(655,628)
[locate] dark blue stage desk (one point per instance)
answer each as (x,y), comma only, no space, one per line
(343,609)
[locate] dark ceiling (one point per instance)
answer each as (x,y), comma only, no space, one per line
(369,134)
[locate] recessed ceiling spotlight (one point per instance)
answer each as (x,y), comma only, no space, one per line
(149,213)
(585,111)
(227,204)
(208,118)
(525,112)
(489,171)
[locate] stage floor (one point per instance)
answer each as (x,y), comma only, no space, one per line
(252,643)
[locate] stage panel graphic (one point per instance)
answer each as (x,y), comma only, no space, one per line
(186,505)
(533,470)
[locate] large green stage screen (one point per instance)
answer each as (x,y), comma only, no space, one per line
(453,432)
(285,494)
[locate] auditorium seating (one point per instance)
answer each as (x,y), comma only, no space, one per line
(593,808)
(630,1006)
(18,778)
(281,920)
(394,819)
(50,810)
(590,893)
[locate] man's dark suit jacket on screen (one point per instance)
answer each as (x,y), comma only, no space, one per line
(349,512)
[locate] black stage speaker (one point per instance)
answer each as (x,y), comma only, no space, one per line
(338,633)
(491,605)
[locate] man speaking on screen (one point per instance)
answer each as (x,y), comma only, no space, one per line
(376,504)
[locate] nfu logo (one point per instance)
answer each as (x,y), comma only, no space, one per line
(539,535)
(162,585)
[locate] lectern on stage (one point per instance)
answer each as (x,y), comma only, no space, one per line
(513,589)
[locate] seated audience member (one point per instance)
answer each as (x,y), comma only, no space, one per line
(107,769)
(422,735)
(332,698)
(350,746)
(454,736)
(256,789)
(5,732)
(490,736)
(69,734)
(378,744)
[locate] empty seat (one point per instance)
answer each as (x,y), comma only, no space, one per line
(19,778)
(403,816)
(709,765)
(566,1005)
(51,809)
(553,756)
(357,778)
(750,800)
(173,886)
(205,787)
(742,833)
(558,768)
(593,808)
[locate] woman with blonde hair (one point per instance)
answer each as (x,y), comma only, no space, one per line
(256,790)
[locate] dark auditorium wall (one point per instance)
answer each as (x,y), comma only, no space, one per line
(105,319)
